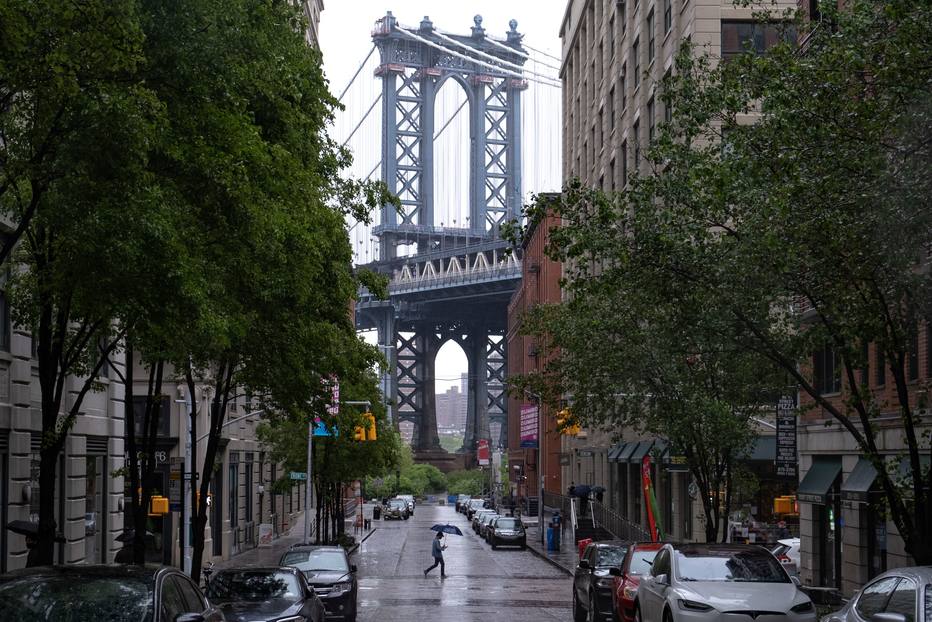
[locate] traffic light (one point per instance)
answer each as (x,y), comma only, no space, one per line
(359,433)
(371,434)
(566,423)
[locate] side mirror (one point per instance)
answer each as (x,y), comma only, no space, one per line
(615,572)
(352,567)
(795,581)
(887,616)
(584,564)
(662,579)
(189,617)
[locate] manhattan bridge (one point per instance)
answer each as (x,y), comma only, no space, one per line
(449,144)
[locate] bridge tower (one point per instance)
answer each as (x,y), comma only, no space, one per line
(446,283)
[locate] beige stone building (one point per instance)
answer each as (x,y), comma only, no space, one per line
(615,54)
(312,10)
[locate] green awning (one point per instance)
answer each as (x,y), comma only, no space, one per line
(764,449)
(617,449)
(819,480)
(625,453)
(640,451)
(859,482)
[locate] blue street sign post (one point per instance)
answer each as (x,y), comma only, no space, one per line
(297,475)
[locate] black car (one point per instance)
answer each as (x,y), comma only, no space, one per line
(592,583)
(268,594)
(506,531)
(78,593)
(328,571)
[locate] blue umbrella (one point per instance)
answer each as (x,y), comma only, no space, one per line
(447,529)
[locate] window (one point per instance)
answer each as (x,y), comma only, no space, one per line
(601,126)
(172,604)
(874,597)
(928,350)
(4,322)
(667,15)
(650,37)
(273,479)
(162,413)
(913,354)
(826,377)
(651,124)
(611,36)
(102,344)
(248,477)
(903,600)
(637,145)
(611,175)
(636,61)
(233,488)
(661,564)
(611,107)
(192,596)
(620,6)
(865,364)
(753,37)
(624,79)
(880,374)
(624,163)
(667,106)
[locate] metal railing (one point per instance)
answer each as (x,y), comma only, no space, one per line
(612,522)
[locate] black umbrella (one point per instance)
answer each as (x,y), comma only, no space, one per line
(598,489)
(447,529)
(129,534)
(582,490)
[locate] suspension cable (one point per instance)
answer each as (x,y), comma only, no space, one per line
(358,125)
(501,70)
(524,70)
(543,53)
(501,45)
(355,75)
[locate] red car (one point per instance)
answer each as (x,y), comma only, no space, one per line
(637,563)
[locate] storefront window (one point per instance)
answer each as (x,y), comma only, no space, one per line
(234,490)
(248,481)
(94,511)
(216,512)
(876,523)
(830,539)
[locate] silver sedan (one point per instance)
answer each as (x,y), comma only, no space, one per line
(900,595)
(719,583)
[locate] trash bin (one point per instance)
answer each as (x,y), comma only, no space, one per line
(451,499)
(376,513)
(553,538)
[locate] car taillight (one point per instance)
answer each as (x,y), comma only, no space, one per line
(784,559)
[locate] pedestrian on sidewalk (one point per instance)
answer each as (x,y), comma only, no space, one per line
(437,552)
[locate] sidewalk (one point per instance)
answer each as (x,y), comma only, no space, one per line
(265,556)
(564,559)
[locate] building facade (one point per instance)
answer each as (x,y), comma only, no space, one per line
(529,459)
(312,11)
(615,55)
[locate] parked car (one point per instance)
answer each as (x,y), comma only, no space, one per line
(409,499)
(506,530)
(265,594)
(592,583)
(698,582)
(477,515)
(117,593)
(484,521)
(396,508)
(899,595)
(474,505)
(327,570)
(625,585)
(787,553)
(461,501)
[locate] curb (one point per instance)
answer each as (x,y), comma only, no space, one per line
(368,535)
(550,560)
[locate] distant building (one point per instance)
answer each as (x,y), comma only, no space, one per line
(451,410)
(312,10)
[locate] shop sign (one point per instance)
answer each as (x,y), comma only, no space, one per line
(564,459)
(585,453)
(677,463)
(786,463)
(530,423)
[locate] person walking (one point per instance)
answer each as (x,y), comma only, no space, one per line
(437,551)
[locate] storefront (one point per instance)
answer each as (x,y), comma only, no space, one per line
(820,489)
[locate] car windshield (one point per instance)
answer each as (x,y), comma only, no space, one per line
(754,566)
(255,585)
(397,504)
(76,598)
(612,556)
(641,561)
(507,523)
(316,559)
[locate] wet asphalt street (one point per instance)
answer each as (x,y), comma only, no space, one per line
(481,584)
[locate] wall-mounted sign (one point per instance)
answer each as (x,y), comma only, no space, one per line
(530,423)
(482,452)
(786,462)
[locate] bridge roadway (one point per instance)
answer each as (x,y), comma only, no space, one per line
(482,585)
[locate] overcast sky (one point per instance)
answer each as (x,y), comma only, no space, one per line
(345,39)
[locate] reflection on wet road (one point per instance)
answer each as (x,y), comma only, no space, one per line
(481,584)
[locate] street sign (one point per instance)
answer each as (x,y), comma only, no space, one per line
(296,475)
(320,428)
(530,424)
(786,462)
(483,453)
(176,469)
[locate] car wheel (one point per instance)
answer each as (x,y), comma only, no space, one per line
(494,545)
(579,614)
(407,517)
